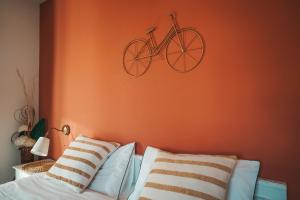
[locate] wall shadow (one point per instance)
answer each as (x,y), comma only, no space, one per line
(46,67)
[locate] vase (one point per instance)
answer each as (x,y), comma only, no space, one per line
(26,156)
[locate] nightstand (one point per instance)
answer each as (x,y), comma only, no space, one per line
(31,168)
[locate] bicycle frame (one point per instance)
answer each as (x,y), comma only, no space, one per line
(155,49)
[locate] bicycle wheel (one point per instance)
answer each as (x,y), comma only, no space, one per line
(189,57)
(137,58)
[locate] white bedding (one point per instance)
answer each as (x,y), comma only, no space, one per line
(37,187)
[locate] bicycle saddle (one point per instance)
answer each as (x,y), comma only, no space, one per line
(151,29)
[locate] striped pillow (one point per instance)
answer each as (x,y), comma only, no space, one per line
(186,176)
(80,162)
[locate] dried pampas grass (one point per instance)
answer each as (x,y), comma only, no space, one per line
(29,97)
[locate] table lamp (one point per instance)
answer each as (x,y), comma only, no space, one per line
(41,147)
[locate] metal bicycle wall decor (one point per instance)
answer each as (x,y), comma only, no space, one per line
(184,50)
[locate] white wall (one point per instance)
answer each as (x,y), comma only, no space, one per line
(19,48)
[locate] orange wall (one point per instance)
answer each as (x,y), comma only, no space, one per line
(243,99)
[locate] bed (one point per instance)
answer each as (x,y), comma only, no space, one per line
(134,171)
(36,187)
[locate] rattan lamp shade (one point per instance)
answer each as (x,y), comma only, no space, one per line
(41,147)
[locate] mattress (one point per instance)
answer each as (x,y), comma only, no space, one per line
(37,187)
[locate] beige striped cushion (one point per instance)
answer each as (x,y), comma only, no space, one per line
(189,177)
(80,162)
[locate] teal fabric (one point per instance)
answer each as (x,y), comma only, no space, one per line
(116,177)
(268,189)
(146,165)
(137,167)
(39,129)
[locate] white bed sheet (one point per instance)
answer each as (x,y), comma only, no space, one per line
(37,187)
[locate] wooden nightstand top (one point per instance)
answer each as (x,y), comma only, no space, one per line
(36,166)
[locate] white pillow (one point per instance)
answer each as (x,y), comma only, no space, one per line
(186,176)
(243,180)
(80,162)
(115,178)
(245,173)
